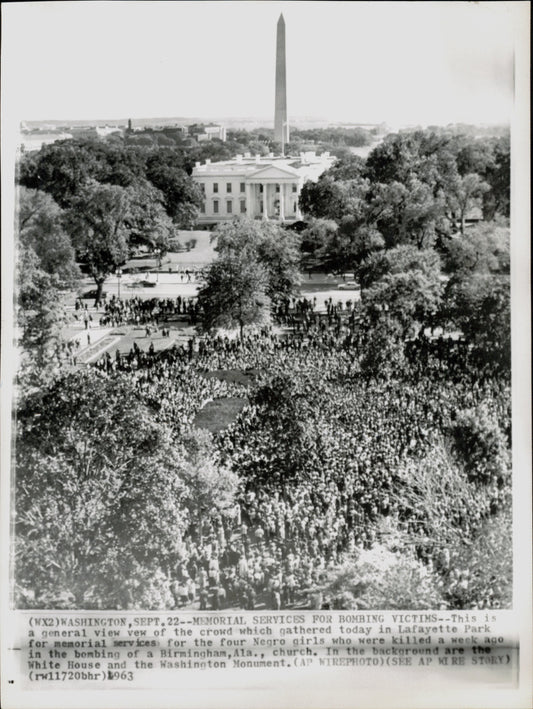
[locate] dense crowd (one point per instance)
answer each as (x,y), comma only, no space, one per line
(139,311)
(356,450)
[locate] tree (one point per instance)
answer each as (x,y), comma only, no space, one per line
(234,294)
(288,411)
(480,446)
(315,238)
(490,159)
(497,200)
(98,224)
(406,213)
(45,268)
(484,248)
(41,229)
(475,156)
(381,344)
(401,259)
(479,306)
(182,197)
(39,318)
(373,268)
(347,246)
(395,159)
(407,257)
(461,519)
(403,295)
(324,199)
(209,488)
(65,167)
(382,579)
(98,490)
(60,169)
(480,570)
(416,155)
(350,167)
(105,220)
(463,195)
(147,220)
(275,250)
(411,299)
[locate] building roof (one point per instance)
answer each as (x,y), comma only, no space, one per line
(258,165)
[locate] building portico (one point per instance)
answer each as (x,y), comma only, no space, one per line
(261,188)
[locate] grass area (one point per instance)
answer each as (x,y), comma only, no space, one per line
(202,252)
(217,415)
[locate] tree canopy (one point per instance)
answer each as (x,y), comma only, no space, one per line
(105,492)
(45,270)
(266,244)
(65,167)
(234,294)
(41,228)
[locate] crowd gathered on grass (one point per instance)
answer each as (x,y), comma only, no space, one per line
(352,455)
(326,463)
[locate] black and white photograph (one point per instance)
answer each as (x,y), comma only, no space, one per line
(261,353)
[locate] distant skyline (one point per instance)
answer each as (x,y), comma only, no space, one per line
(354,62)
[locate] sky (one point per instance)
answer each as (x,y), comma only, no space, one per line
(365,62)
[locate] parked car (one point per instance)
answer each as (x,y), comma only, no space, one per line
(349,285)
(92,294)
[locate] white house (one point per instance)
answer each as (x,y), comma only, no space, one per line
(259,187)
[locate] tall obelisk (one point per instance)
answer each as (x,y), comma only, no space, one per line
(281,124)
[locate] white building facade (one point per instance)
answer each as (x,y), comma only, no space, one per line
(258,187)
(211,132)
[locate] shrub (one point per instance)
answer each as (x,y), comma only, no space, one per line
(381,579)
(480,445)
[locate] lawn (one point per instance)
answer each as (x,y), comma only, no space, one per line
(218,414)
(201,253)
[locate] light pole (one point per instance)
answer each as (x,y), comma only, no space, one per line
(119,276)
(158,256)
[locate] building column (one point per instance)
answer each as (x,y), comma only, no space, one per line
(250,202)
(282,202)
(265,201)
(298,213)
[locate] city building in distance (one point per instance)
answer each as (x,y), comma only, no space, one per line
(211,132)
(258,187)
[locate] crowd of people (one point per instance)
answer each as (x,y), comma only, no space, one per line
(141,311)
(275,546)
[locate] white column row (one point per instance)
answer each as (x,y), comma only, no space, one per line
(285,200)
(265,200)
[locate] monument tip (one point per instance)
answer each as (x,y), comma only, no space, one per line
(281,18)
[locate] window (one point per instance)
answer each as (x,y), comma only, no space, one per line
(202,208)
(277,188)
(215,186)
(243,206)
(295,207)
(260,188)
(295,188)
(229,207)
(243,187)
(202,187)
(228,187)
(215,206)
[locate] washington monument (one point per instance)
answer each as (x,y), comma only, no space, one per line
(281,125)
